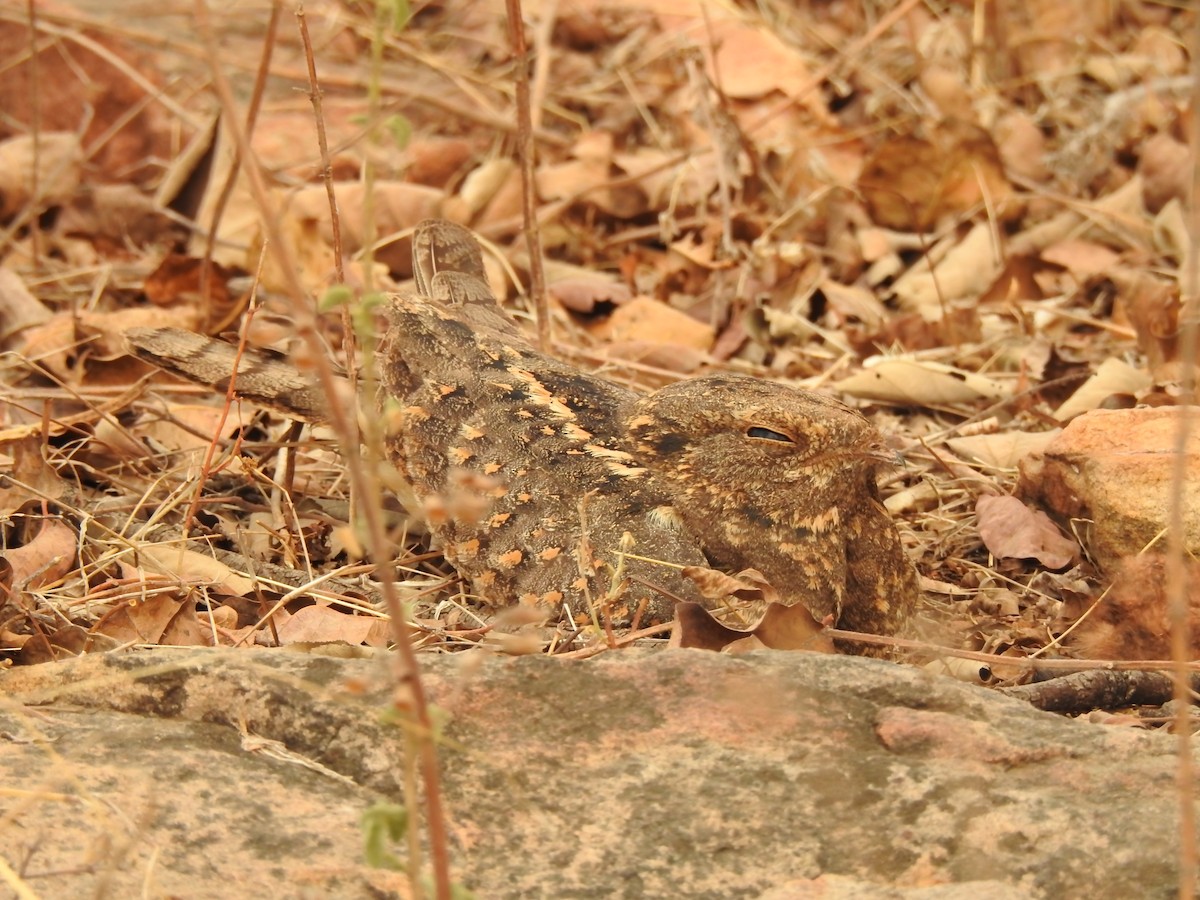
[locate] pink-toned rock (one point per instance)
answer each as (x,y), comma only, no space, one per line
(1108,477)
(674,774)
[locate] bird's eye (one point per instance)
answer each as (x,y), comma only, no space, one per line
(767,434)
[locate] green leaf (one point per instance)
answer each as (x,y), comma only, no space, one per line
(400,128)
(337,296)
(362,316)
(401,13)
(383,825)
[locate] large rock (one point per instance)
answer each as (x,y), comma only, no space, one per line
(1109,476)
(676,774)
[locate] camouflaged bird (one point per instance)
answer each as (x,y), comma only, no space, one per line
(550,486)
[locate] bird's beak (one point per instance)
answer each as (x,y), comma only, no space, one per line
(879,451)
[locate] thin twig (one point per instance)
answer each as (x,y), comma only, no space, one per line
(1177,569)
(525,149)
(314,96)
(35,127)
(256,95)
(407,670)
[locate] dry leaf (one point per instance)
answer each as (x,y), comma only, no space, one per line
(142,622)
(323,623)
(1115,376)
(191,567)
(590,167)
(45,559)
(177,279)
(105,330)
(1081,258)
(193,427)
(670,357)
(792,628)
(28,474)
(910,382)
(59,158)
(482,185)
(1022,145)
(305,218)
(751,62)
(966,271)
(434,161)
(853,303)
(747,644)
(1170,236)
(694,627)
(716,585)
(52,345)
(580,295)
(651,321)
(95,86)
(19,309)
(1011,530)
(911,184)
(1002,450)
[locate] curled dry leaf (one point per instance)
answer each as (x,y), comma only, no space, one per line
(190,566)
(581,294)
(28,473)
(1114,376)
(484,182)
(911,183)
(970,671)
(59,159)
(782,628)
(1081,258)
(1166,169)
(748,584)
(966,271)
(148,621)
(792,628)
(45,559)
(910,382)
(1011,530)
(652,321)
(323,624)
(695,628)
(19,309)
(750,62)
(671,357)
(1002,450)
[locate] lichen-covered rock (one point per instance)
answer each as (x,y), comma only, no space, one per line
(680,773)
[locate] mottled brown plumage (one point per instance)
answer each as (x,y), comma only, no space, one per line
(731,470)
(550,486)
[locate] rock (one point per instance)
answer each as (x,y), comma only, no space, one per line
(680,773)
(1112,469)
(1133,619)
